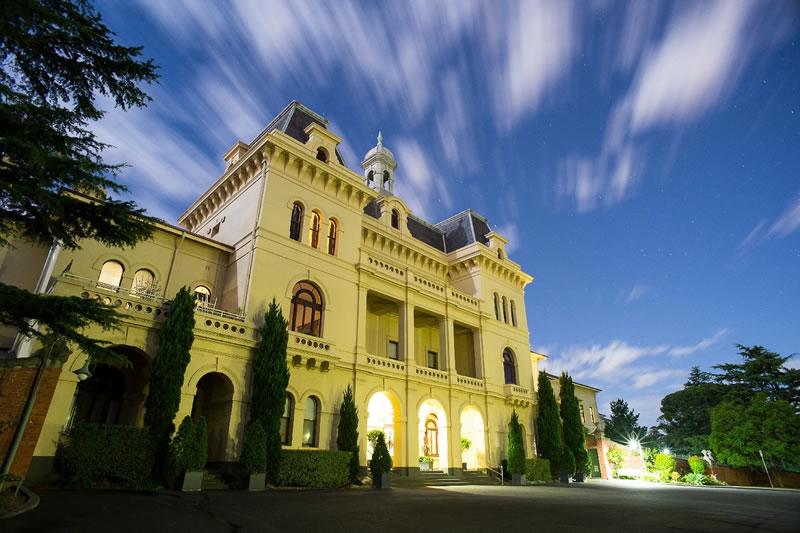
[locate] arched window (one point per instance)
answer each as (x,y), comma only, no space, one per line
(286,421)
(144,283)
(332,230)
(296,224)
(99,399)
(505,310)
(431,445)
(313,230)
(203,294)
(310,425)
(307,306)
(395,219)
(386,178)
(513,313)
(509,367)
(496,306)
(110,275)
(370,178)
(322,154)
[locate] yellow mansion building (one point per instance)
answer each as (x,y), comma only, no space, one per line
(425,321)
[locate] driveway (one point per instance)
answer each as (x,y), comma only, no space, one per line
(595,506)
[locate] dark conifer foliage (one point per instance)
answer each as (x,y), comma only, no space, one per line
(270,379)
(548,424)
(574,438)
(347,435)
(516,447)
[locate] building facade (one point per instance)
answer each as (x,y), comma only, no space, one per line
(425,321)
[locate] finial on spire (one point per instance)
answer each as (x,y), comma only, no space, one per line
(380,138)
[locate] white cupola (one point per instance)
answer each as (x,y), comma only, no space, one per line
(379,165)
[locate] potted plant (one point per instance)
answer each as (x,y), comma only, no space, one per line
(465,444)
(381,465)
(188,453)
(581,461)
(425,463)
(254,456)
(566,465)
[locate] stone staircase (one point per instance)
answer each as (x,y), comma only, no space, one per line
(214,480)
(436,478)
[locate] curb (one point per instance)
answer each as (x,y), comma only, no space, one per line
(30,505)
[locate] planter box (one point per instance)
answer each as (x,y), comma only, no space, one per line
(425,467)
(257,482)
(518,479)
(578,477)
(193,481)
(383,482)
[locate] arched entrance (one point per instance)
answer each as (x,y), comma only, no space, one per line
(112,394)
(383,414)
(213,400)
(472,428)
(433,434)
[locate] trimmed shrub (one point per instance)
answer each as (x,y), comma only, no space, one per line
(665,465)
(548,424)
(347,435)
(199,447)
(567,463)
(254,450)
(616,458)
(516,450)
(676,476)
(696,479)
(697,465)
(314,468)
(538,469)
(381,460)
(90,453)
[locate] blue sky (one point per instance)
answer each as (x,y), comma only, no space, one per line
(643,157)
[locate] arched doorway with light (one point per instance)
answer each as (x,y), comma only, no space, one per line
(473,431)
(433,434)
(214,400)
(383,414)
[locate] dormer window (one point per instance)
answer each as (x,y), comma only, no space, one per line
(500,254)
(395,219)
(322,155)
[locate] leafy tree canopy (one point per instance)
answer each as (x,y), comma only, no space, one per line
(761,371)
(58,57)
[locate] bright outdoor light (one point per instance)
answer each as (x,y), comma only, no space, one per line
(83,372)
(665,450)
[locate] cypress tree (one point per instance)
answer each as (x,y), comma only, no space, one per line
(548,424)
(174,342)
(574,438)
(516,448)
(347,436)
(270,379)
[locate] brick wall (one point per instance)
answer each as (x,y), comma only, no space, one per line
(15,386)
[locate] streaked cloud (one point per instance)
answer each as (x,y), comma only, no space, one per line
(683,351)
(785,224)
(634,294)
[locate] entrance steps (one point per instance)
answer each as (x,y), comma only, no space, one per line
(436,478)
(213,480)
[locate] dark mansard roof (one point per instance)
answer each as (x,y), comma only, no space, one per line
(293,121)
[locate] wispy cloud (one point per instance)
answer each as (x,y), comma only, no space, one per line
(511,232)
(420,185)
(683,351)
(634,294)
(785,224)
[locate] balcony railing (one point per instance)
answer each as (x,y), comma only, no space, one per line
(516,395)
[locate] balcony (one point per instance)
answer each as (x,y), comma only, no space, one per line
(517,396)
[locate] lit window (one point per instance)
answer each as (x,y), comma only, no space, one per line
(307,307)
(297,222)
(310,422)
(203,294)
(110,275)
(394,350)
(144,283)
(509,367)
(332,229)
(433,359)
(513,313)
(316,222)
(286,421)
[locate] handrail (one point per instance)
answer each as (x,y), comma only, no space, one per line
(497,473)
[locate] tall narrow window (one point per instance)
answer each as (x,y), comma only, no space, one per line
(316,221)
(433,359)
(310,422)
(110,275)
(307,307)
(203,294)
(286,421)
(496,306)
(513,313)
(583,413)
(332,229)
(386,179)
(509,367)
(296,224)
(395,219)
(431,445)
(144,283)
(393,350)
(505,310)
(591,415)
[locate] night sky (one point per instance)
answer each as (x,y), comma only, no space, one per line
(643,158)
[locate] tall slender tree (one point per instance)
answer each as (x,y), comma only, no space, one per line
(548,424)
(347,435)
(574,437)
(270,379)
(516,447)
(175,338)
(57,57)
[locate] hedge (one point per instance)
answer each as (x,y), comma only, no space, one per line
(90,453)
(314,468)
(538,469)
